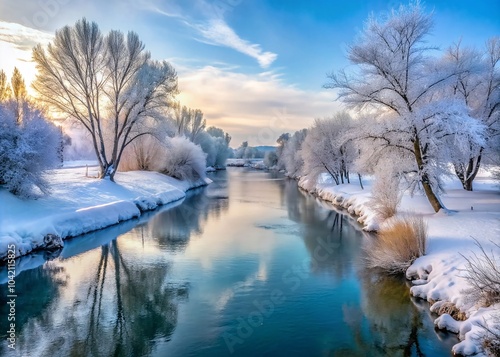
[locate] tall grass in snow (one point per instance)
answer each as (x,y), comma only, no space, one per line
(398,243)
(483,275)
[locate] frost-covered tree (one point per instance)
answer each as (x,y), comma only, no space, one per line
(19,93)
(5,91)
(290,158)
(107,83)
(281,141)
(28,147)
(184,160)
(215,144)
(396,85)
(327,150)
(216,132)
(198,123)
(240,151)
(207,144)
(270,159)
(189,122)
(478,85)
(222,152)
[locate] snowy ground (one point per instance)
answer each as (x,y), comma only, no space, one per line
(79,204)
(439,275)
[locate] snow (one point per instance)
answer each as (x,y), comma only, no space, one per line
(439,275)
(236,162)
(79,204)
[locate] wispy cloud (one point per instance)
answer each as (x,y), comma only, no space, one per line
(217,32)
(16,43)
(22,37)
(210,27)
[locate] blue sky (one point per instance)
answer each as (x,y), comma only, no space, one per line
(248,64)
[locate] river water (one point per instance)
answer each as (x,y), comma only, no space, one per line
(248,266)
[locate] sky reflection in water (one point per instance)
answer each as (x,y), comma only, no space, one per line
(249,265)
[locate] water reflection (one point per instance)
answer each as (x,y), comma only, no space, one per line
(176,284)
(331,242)
(117,307)
(173,228)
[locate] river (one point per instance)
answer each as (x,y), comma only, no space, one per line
(248,266)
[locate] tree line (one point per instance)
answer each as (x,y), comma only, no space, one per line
(109,85)
(417,117)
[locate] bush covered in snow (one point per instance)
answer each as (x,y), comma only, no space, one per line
(184,160)
(270,159)
(491,338)
(483,274)
(27,148)
(325,149)
(386,192)
(289,155)
(398,243)
(215,146)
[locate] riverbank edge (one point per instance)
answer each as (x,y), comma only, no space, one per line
(469,329)
(71,224)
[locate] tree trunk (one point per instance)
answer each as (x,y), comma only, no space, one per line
(467,174)
(360,182)
(429,192)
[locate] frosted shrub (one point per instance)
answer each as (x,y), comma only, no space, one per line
(491,338)
(483,274)
(27,149)
(184,160)
(214,143)
(270,159)
(222,150)
(386,195)
(400,241)
(290,157)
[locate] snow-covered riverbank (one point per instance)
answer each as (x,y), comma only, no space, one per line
(439,275)
(79,204)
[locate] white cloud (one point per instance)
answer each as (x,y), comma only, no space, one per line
(217,32)
(209,24)
(257,108)
(16,43)
(254,107)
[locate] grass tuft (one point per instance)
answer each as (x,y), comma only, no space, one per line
(400,241)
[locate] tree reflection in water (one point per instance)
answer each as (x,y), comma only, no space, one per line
(385,322)
(46,282)
(123,310)
(322,230)
(391,326)
(173,228)
(123,306)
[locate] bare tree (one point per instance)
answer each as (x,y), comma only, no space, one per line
(396,84)
(108,83)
